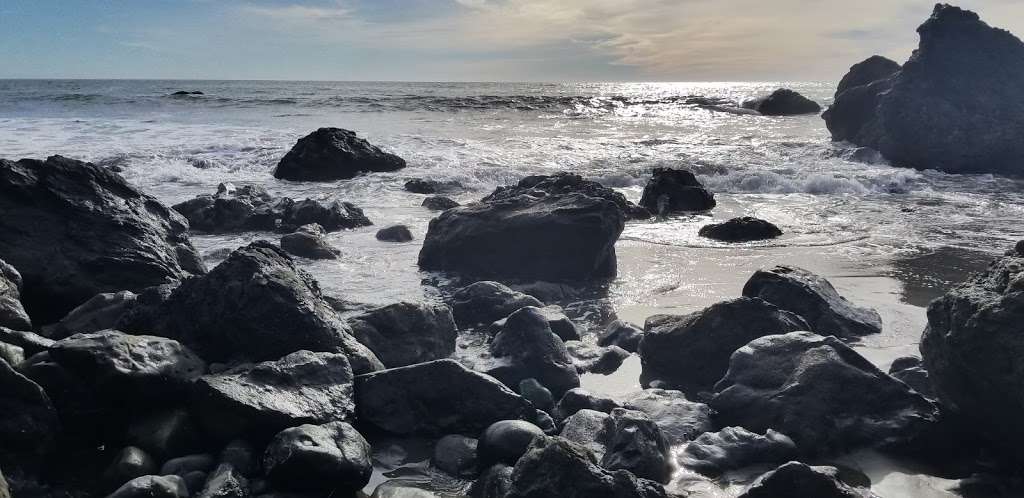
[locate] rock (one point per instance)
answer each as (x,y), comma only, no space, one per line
(153,487)
(101,312)
(783,102)
(185,465)
(396,233)
(12,313)
(423,186)
(186,92)
(798,480)
(239,454)
(869,70)
(225,482)
(566,183)
(85,419)
(251,208)
(679,419)
(333,457)
(743,229)
(813,298)
(257,305)
(820,393)
(130,368)
(560,324)
(28,421)
(455,454)
(635,443)
(487,302)
(587,428)
(75,229)
(334,154)
(973,351)
(506,440)
(30,342)
(437,397)
(536,393)
(910,370)
(622,334)
(588,358)
(402,334)
(439,203)
(12,354)
(578,399)
(732,448)
(691,352)
(403,488)
(946,109)
(165,433)
(556,237)
(5,491)
(675,190)
(130,462)
(527,348)
(556,467)
(492,483)
(302,387)
(309,242)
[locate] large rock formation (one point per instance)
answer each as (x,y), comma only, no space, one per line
(250,207)
(566,183)
(948,108)
(675,190)
(782,102)
(553,237)
(74,230)
(334,154)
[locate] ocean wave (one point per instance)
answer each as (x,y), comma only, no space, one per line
(770,182)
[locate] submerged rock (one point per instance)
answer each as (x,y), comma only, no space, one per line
(555,237)
(675,190)
(567,183)
(527,348)
(743,229)
(799,480)
(731,448)
(75,229)
(783,102)
(12,313)
(250,208)
(425,186)
(402,334)
(309,242)
(396,233)
(439,203)
(437,397)
(820,393)
(947,108)
(334,154)
(487,302)
(813,298)
(691,352)
(331,458)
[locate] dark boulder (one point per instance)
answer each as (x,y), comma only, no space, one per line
(75,229)
(12,313)
(334,154)
(302,387)
(506,440)
(527,348)
(494,482)
(567,183)
(590,358)
(456,455)
(536,393)
(487,302)
(85,418)
(28,421)
(309,242)
(587,428)
(743,229)
(679,419)
(225,482)
(424,186)
(635,443)
(675,190)
(578,399)
(240,455)
(165,433)
(555,237)
(437,397)
(560,324)
(439,203)
(947,108)
(783,102)
(732,448)
(153,487)
(251,208)
(395,233)
(402,334)
(622,334)
(820,393)
(129,463)
(332,458)
(813,298)
(910,370)
(101,312)
(691,352)
(187,92)
(185,465)
(799,480)
(869,70)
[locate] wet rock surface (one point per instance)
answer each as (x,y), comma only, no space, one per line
(439,203)
(308,242)
(403,334)
(332,457)
(795,479)
(527,348)
(566,183)
(714,453)
(783,102)
(486,302)
(675,190)
(743,229)
(12,313)
(396,233)
(334,154)
(679,418)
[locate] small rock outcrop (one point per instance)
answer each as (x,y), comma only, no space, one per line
(783,102)
(795,479)
(439,203)
(527,348)
(425,186)
(731,448)
(675,190)
(743,229)
(567,183)
(456,455)
(622,334)
(487,302)
(308,242)
(635,443)
(334,154)
(395,233)
(12,313)
(590,358)
(679,419)
(578,399)
(403,334)
(330,458)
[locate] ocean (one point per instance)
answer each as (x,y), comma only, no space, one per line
(887,237)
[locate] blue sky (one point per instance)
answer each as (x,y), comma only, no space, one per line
(462,40)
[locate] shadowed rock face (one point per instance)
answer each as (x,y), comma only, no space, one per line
(675,190)
(799,480)
(872,69)
(332,457)
(783,102)
(403,334)
(74,230)
(334,154)
(28,421)
(12,313)
(954,105)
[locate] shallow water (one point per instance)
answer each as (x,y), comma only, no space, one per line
(887,237)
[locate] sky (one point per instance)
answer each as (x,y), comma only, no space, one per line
(464,40)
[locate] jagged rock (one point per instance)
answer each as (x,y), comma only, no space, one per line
(28,421)
(12,354)
(679,419)
(798,480)
(947,108)
(129,463)
(587,428)
(911,371)
(251,208)
(12,313)
(333,457)
(869,70)
(536,393)
(487,302)
(457,455)
(103,311)
(302,387)
(153,487)
(506,440)
(589,358)
(743,229)
(437,397)
(675,190)
(813,298)
(30,342)
(396,233)
(309,242)
(225,482)
(691,352)
(555,237)
(439,203)
(492,483)
(165,433)
(334,154)
(424,186)
(731,448)
(566,183)
(75,229)
(820,393)
(578,399)
(783,102)
(527,348)
(622,334)
(402,334)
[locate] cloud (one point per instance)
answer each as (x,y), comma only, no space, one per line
(300,13)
